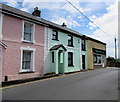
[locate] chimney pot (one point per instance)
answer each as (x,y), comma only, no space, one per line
(36,12)
(64,25)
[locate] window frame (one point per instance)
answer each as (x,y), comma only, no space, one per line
(72,60)
(24,60)
(55,35)
(32,68)
(97,60)
(83,46)
(32,33)
(53,57)
(71,45)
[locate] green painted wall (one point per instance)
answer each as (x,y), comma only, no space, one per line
(63,39)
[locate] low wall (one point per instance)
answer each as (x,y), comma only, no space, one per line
(113,64)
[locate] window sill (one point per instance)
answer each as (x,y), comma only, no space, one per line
(98,64)
(25,41)
(70,65)
(70,45)
(21,72)
(83,50)
(55,39)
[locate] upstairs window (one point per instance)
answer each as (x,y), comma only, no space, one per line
(70,40)
(83,44)
(28,33)
(70,59)
(54,35)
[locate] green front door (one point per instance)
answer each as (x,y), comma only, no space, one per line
(60,62)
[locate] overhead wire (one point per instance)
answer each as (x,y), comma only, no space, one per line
(87,17)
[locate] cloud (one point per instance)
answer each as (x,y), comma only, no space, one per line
(43,5)
(93,17)
(109,23)
(71,9)
(47,4)
(69,0)
(57,11)
(12,3)
(69,21)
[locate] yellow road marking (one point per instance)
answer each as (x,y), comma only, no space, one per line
(26,83)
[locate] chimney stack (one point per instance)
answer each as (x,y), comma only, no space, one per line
(64,25)
(36,12)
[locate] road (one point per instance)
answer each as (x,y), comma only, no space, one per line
(98,84)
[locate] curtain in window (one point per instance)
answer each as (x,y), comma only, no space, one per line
(26,60)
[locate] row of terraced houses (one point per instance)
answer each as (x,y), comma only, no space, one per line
(31,47)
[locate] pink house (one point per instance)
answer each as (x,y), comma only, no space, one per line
(21,45)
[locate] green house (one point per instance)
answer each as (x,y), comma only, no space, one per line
(65,50)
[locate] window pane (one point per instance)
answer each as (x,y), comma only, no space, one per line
(54,35)
(61,57)
(26,61)
(95,58)
(83,44)
(69,62)
(27,65)
(52,57)
(26,55)
(70,40)
(99,59)
(70,58)
(27,31)
(27,36)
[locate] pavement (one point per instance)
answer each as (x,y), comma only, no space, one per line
(98,84)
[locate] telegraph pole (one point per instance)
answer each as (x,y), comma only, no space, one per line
(115,48)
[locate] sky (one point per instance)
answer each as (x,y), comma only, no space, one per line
(104,13)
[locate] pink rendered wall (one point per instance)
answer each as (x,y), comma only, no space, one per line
(12,34)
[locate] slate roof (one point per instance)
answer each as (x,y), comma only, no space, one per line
(57,47)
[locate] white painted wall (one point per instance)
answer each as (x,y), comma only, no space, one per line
(1,19)
(46,51)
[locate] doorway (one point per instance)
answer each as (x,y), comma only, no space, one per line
(60,62)
(83,61)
